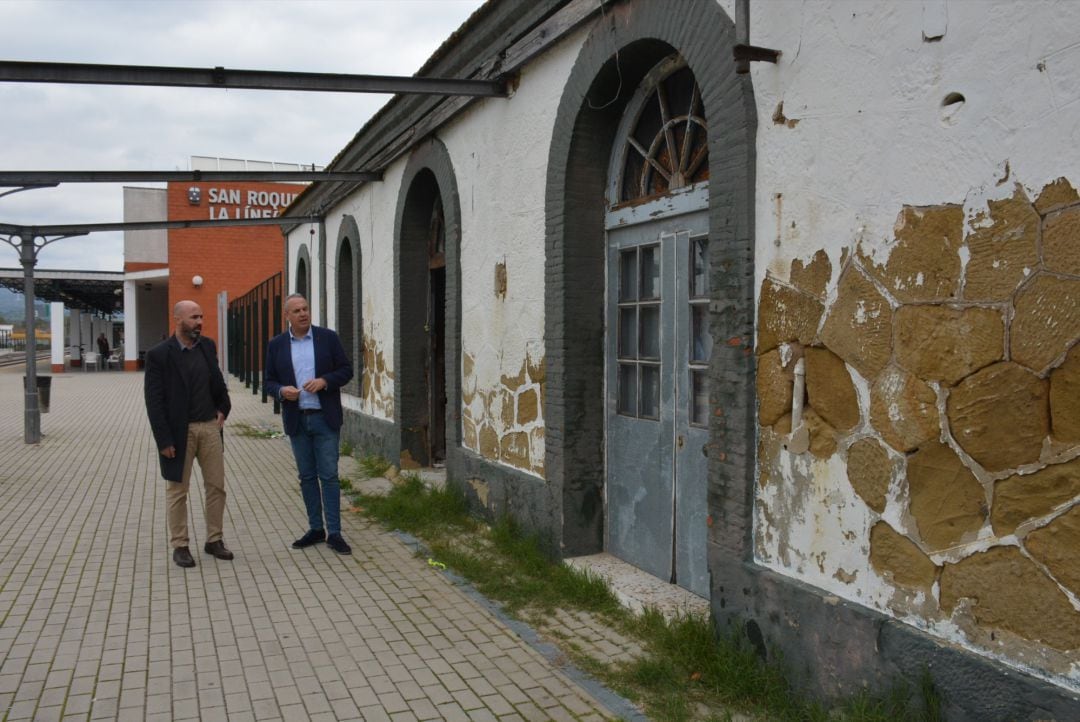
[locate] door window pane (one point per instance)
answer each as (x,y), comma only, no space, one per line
(650,272)
(627,403)
(701,340)
(699,276)
(699,401)
(649,338)
(628,332)
(628,275)
(650,391)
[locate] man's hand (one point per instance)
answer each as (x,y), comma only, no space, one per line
(314,386)
(290,393)
(220,420)
(169,452)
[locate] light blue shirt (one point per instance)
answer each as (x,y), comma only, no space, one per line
(303,362)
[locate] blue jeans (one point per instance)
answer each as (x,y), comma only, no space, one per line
(315,447)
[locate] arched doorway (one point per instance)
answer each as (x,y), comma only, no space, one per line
(347,307)
(657,340)
(422,321)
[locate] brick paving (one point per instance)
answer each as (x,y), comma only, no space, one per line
(96,622)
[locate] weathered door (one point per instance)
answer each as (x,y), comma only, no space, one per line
(657,349)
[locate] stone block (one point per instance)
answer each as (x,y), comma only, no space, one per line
(859,324)
(898,559)
(1002,247)
(870,470)
(774,388)
(1007,591)
(822,436)
(1000,415)
(1065,399)
(786,314)
(1055,545)
(489,442)
(1018,499)
(812,277)
(1056,195)
(527,407)
(515,449)
(903,409)
(1061,242)
(1046,322)
(947,501)
(830,390)
(468,434)
(947,343)
(924,260)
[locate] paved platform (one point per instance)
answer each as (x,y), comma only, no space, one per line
(96,622)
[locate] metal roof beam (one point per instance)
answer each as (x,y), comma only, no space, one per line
(53,177)
(12,71)
(78,229)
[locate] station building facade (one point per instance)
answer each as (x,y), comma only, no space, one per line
(801,340)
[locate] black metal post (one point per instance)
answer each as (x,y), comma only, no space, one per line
(31,410)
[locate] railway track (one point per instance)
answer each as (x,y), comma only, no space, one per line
(11,359)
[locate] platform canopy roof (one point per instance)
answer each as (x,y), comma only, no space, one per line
(100,291)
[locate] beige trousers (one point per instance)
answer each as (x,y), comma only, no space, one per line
(204,444)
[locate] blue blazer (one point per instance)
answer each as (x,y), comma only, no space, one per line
(331,364)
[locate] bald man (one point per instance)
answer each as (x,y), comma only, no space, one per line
(187,402)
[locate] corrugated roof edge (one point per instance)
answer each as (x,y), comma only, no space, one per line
(493,27)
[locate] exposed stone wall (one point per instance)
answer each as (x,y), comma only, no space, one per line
(505,423)
(377,381)
(935,474)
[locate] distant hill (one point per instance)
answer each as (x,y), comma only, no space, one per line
(12,306)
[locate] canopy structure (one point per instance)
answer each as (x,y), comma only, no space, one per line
(93,291)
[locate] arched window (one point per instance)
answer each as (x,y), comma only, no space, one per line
(302,277)
(664,136)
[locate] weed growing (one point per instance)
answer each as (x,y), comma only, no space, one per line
(690,670)
(373,465)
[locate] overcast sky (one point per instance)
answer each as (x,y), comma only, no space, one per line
(88,127)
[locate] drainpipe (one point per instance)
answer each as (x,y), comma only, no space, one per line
(799,441)
(742,34)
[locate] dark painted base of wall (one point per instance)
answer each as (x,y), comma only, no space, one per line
(833,648)
(369,435)
(494,491)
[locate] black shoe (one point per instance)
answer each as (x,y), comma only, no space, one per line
(335,542)
(314,536)
(218,550)
(182,557)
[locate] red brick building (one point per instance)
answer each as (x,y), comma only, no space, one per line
(163,267)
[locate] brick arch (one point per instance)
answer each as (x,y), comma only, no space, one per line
(589,111)
(301,283)
(428,174)
(348,296)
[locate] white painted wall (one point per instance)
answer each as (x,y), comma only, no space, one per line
(146,204)
(867,92)
(500,150)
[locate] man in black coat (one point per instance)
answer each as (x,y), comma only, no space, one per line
(305,368)
(187,402)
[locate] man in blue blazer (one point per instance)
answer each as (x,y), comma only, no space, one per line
(305,368)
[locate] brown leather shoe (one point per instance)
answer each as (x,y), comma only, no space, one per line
(182,557)
(217,549)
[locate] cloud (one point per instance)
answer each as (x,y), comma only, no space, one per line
(73,127)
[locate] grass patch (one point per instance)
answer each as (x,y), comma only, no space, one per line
(257,432)
(373,465)
(346,448)
(689,671)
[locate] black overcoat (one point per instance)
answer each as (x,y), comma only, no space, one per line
(166,395)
